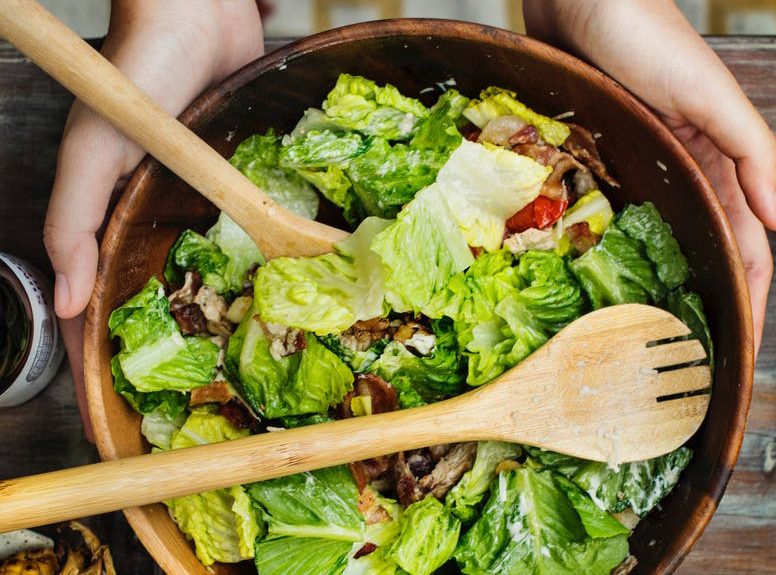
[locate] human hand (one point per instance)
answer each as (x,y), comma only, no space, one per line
(648,46)
(172,50)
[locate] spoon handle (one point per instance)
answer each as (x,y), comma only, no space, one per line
(102,87)
(108,486)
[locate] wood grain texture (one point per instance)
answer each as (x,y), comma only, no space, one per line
(45,434)
(597,375)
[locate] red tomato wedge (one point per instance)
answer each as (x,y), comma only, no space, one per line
(541,213)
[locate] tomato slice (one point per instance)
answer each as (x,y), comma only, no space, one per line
(541,213)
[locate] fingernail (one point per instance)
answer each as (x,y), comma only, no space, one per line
(61,293)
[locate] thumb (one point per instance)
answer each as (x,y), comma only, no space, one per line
(91,159)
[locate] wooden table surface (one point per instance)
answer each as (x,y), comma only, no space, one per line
(45,434)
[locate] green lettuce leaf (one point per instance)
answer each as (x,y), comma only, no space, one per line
(406,393)
(192,251)
(302,556)
(313,120)
(171,404)
(617,271)
(483,187)
(328,293)
(439,130)
(464,497)
(322,149)
(258,157)
(500,102)
(337,188)
(644,223)
(530,526)
(153,355)
(308,381)
(317,504)
(356,103)
(386,177)
(222,523)
(358,361)
(688,307)
(436,376)
(638,486)
(421,251)
(158,428)
(242,252)
(429,534)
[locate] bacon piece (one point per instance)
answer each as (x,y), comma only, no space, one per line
(470,132)
(407,488)
(542,153)
(371,509)
(581,236)
(365,550)
(582,146)
(239,416)
(382,393)
(554,186)
(368,470)
(449,470)
(190,319)
(501,129)
(528,135)
(216,392)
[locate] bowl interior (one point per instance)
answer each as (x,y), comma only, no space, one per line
(415,55)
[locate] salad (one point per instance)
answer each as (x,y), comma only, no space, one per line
(480,230)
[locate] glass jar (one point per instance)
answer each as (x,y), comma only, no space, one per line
(30,346)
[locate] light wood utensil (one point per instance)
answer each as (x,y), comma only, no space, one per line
(101,86)
(608,387)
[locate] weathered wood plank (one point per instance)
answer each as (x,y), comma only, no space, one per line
(45,434)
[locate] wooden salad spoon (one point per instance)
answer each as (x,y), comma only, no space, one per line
(612,386)
(101,86)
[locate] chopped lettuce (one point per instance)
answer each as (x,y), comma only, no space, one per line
(336,187)
(435,376)
(328,293)
(318,504)
(617,271)
(356,103)
(238,246)
(153,355)
(222,523)
(169,403)
(421,251)
(193,251)
(499,102)
(638,486)
(358,361)
(307,381)
(406,393)
(322,149)
(302,556)
(429,534)
(644,223)
(483,187)
(439,130)
(158,428)
(258,158)
(386,177)
(530,525)
(463,498)
(688,307)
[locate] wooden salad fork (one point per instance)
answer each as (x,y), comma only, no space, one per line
(619,384)
(101,86)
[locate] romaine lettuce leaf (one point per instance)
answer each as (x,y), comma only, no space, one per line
(317,504)
(193,251)
(530,526)
(153,355)
(386,177)
(222,523)
(337,188)
(302,556)
(436,376)
(500,102)
(617,271)
(463,498)
(238,246)
(158,428)
(308,381)
(258,158)
(421,251)
(638,486)
(439,130)
(169,403)
(322,149)
(406,393)
(328,293)
(356,103)
(358,361)
(644,223)
(688,307)
(483,187)
(429,534)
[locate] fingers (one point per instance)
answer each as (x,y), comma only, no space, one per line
(92,156)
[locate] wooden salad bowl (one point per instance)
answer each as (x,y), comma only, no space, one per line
(639,150)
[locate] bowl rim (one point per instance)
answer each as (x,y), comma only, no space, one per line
(200,109)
